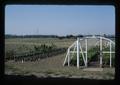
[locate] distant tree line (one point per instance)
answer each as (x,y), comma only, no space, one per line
(42,36)
(53,36)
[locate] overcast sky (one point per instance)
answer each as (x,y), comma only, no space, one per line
(59,19)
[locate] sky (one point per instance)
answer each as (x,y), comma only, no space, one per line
(59,19)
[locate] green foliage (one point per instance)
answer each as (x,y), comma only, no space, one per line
(39,52)
(106,59)
(93,52)
(106,56)
(9,55)
(43,48)
(74,60)
(93,55)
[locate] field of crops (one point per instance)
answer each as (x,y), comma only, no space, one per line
(26,44)
(51,66)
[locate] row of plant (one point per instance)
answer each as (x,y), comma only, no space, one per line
(91,55)
(39,52)
(94,55)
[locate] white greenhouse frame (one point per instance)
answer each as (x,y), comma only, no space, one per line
(77,48)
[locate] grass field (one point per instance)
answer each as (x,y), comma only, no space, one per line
(27,44)
(51,66)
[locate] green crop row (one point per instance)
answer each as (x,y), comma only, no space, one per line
(93,55)
(41,51)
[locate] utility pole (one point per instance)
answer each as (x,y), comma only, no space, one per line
(37,31)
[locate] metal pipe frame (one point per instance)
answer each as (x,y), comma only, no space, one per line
(77,48)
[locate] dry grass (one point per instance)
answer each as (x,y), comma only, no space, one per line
(51,66)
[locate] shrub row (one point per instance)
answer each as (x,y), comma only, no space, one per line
(39,52)
(36,56)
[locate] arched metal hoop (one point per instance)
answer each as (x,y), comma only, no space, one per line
(77,48)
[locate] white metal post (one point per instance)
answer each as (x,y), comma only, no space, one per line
(110,55)
(66,57)
(86,52)
(77,52)
(81,51)
(100,51)
(22,60)
(69,57)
